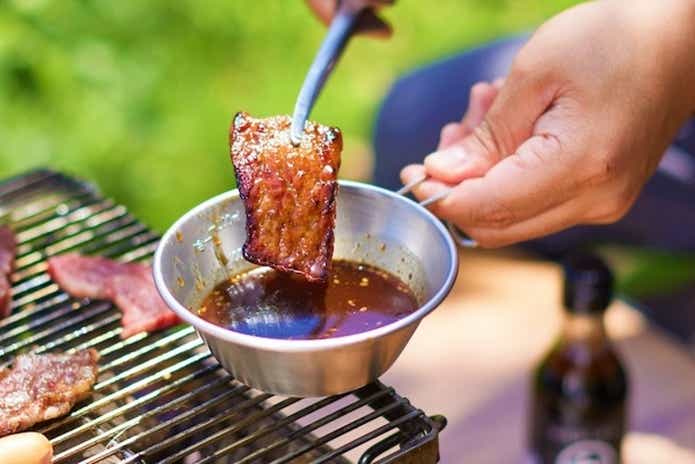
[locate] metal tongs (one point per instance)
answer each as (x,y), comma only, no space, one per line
(339,32)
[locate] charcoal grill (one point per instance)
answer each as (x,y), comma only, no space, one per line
(162,397)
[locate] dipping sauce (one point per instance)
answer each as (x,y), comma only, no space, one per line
(267,303)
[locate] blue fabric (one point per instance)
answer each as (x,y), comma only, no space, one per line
(420,103)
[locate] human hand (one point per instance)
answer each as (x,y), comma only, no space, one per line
(579,125)
(368,23)
(25,448)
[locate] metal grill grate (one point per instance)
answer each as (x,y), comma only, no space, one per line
(162,397)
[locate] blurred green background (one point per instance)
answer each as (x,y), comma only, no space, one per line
(137,95)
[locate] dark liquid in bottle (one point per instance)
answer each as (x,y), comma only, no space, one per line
(267,303)
(578,408)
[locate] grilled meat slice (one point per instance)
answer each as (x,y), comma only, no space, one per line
(84,276)
(8,250)
(143,308)
(288,192)
(130,286)
(40,387)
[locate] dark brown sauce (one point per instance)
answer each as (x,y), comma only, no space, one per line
(267,303)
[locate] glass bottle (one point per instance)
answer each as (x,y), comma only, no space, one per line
(579,394)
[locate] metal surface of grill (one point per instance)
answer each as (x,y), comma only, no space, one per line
(162,397)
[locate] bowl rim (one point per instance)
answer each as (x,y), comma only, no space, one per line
(289,345)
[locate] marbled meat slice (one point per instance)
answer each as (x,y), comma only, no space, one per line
(40,387)
(130,286)
(8,250)
(288,192)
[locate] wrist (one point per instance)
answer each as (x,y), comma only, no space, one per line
(670,24)
(690,30)
(684,15)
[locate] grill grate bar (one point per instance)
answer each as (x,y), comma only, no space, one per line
(81,332)
(368,436)
(254,436)
(110,451)
(190,413)
(57,313)
(37,307)
(60,222)
(343,430)
(123,344)
(298,415)
(148,398)
(85,315)
(113,333)
(34,180)
(132,372)
(231,412)
(85,445)
(179,334)
(316,425)
(122,393)
(32,262)
(44,211)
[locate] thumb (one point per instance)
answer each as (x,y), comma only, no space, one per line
(509,122)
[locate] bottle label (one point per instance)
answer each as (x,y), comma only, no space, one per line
(588,452)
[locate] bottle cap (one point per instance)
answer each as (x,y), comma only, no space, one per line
(588,284)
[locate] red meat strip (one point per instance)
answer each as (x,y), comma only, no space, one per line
(40,387)
(8,250)
(130,286)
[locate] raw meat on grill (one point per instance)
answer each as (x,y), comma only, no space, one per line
(288,191)
(84,276)
(40,387)
(8,249)
(130,286)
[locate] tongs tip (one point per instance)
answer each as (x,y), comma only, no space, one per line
(297,131)
(338,34)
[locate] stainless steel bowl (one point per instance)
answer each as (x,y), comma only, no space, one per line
(373,225)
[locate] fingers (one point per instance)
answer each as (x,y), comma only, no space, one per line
(424,190)
(501,116)
(372,25)
(510,184)
(412,172)
(323,9)
(454,164)
(450,134)
(520,186)
(25,448)
(481,97)
(489,228)
(527,195)
(451,163)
